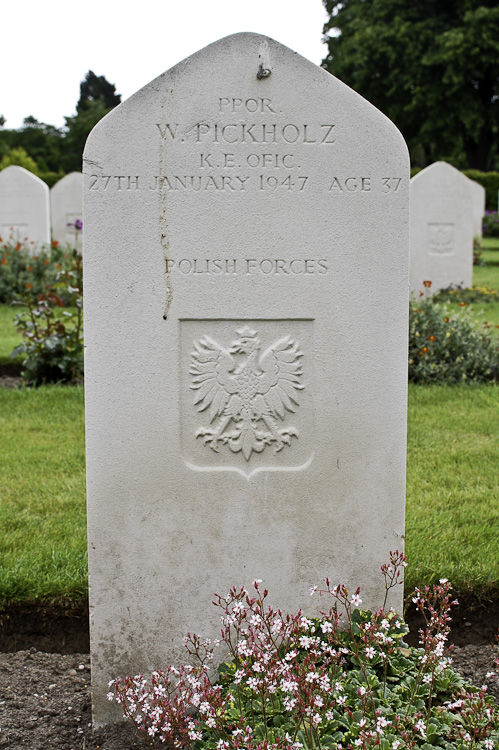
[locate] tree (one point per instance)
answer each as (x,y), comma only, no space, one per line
(97,98)
(40,142)
(18,157)
(432,66)
(96,88)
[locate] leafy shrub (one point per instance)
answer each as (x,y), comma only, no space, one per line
(449,347)
(490,224)
(53,345)
(20,271)
(299,682)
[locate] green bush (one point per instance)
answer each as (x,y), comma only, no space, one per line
(447,347)
(21,272)
(52,347)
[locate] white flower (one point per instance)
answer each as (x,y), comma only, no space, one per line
(356,600)
(420,727)
(313,589)
(110,696)
(370,652)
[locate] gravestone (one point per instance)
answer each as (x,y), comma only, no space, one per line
(66,198)
(478,207)
(24,207)
(441,229)
(246,303)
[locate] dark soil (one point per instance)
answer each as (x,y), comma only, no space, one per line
(45,674)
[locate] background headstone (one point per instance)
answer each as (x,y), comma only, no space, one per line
(246,303)
(66,206)
(478,206)
(441,229)
(24,207)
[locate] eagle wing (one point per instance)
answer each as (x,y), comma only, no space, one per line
(280,379)
(210,369)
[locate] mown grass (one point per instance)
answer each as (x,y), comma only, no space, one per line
(452,491)
(42,500)
(453,487)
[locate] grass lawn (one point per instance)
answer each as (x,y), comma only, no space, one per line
(453,487)
(42,501)
(452,491)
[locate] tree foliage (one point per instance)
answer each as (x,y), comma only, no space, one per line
(431,66)
(57,151)
(95,88)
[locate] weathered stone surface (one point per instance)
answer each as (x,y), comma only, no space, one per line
(441,229)
(24,207)
(246,300)
(66,207)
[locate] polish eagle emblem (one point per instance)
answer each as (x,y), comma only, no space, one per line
(245,393)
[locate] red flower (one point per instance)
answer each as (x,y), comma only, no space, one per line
(427,284)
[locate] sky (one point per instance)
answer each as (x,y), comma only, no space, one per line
(49,45)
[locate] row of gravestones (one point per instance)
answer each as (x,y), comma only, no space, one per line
(30,211)
(447,211)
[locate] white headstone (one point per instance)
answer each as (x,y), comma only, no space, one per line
(478,206)
(24,207)
(66,198)
(441,229)
(246,303)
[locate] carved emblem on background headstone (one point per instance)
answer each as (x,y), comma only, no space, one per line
(441,239)
(245,392)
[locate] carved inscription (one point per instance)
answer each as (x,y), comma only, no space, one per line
(248,266)
(441,239)
(245,393)
(234,154)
